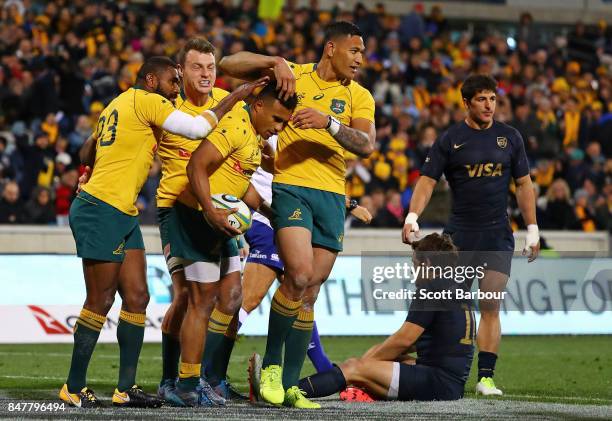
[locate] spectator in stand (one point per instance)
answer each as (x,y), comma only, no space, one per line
(64,194)
(6,165)
(61,62)
(37,163)
(11,206)
(584,211)
(40,209)
(559,213)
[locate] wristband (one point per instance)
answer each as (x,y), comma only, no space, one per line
(533,235)
(411,218)
(211,117)
(333,126)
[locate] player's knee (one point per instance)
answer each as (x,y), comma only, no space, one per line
(350,367)
(136,301)
(201,305)
(252,300)
(300,276)
(249,303)
(231,299)
(180,297)
(100,303)
(489,315)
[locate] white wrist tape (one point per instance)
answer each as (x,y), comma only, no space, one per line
(334,126)
(183,124)
(533,236)
(411,218)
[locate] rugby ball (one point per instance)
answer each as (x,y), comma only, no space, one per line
(242,218)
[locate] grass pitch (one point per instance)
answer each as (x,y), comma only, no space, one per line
(542,377)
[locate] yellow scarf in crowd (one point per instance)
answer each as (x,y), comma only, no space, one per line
(572,125)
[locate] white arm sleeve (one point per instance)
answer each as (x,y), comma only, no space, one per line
(183,124)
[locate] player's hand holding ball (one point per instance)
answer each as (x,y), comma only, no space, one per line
(410,226)
(230,216)
(309,118)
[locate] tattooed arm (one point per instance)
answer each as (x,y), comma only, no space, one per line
(358,138)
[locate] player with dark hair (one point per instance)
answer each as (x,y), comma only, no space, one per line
(104,222)
(440,331)
(334,113)
(479,157)
(202,237)
(198,95)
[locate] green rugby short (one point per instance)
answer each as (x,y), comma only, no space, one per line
(321,212)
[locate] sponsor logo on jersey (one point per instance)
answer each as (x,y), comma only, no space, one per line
(296,215)
(502,142)
(318,97)
(274,257)
(337,105)
(455,146)
(489,169)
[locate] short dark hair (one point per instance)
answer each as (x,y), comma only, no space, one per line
(269,91)
(199,44)
(155,65)
(477,83)
(341,28)
(438,248)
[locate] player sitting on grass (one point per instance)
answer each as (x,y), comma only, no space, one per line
(442,332)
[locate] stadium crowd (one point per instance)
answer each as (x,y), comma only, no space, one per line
(62,61)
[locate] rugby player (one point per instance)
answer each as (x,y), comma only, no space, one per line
(441,333)
(198,94)
(479,157)
(335,113)
(264,265)
(202,236)
(104,222)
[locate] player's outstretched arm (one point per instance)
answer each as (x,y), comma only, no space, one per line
(239,94)
(200,126)
(397,344)
(249,66)
(420,198)
(525,197)
(204,160)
